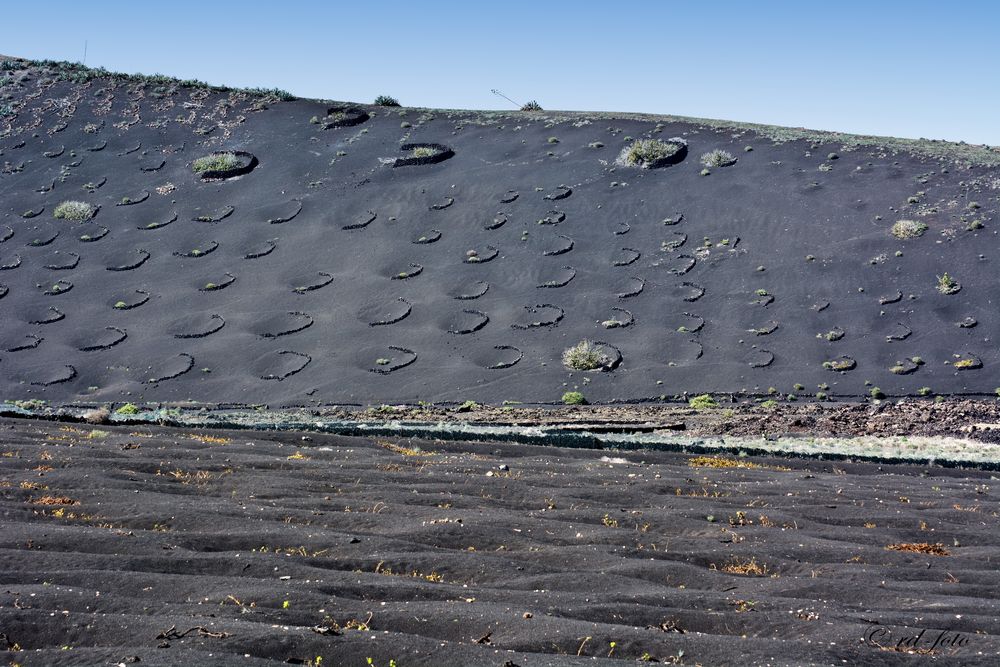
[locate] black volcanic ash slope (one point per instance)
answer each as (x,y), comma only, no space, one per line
(364,254)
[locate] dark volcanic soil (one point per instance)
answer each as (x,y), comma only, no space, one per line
(177,547)
(330,274)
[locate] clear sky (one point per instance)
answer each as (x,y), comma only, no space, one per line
(909,68)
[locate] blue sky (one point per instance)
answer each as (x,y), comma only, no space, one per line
(891,67)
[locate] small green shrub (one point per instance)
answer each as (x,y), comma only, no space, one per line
(947,284)
(645,152)
(924,391)
(216,162)
(128,409)
(584,356)
(703,402)
(718,158)
(573,398)
(278,93)
(531,106)
(468,406)
(77,211)
(386,101)
(908,229)
(423,151)
(876,393)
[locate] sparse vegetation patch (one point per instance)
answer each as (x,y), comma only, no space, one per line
(76,211)
(718,158)
(216,162)
(422,151)
(652,153)
(585,356)
(703,402)
(908,229)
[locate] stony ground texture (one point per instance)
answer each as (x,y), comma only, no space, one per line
(182,547)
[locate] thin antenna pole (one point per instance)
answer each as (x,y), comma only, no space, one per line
(84,53)
(499,94)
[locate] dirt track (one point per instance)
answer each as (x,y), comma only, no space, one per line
(116,540)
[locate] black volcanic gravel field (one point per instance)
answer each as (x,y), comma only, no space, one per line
(330,266)
(159,546)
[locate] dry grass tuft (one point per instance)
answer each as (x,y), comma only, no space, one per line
(399,449)
(186,477)
(746,568)
(721,462)
(381,568)
(205,439)
(920,548)
(55,500)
